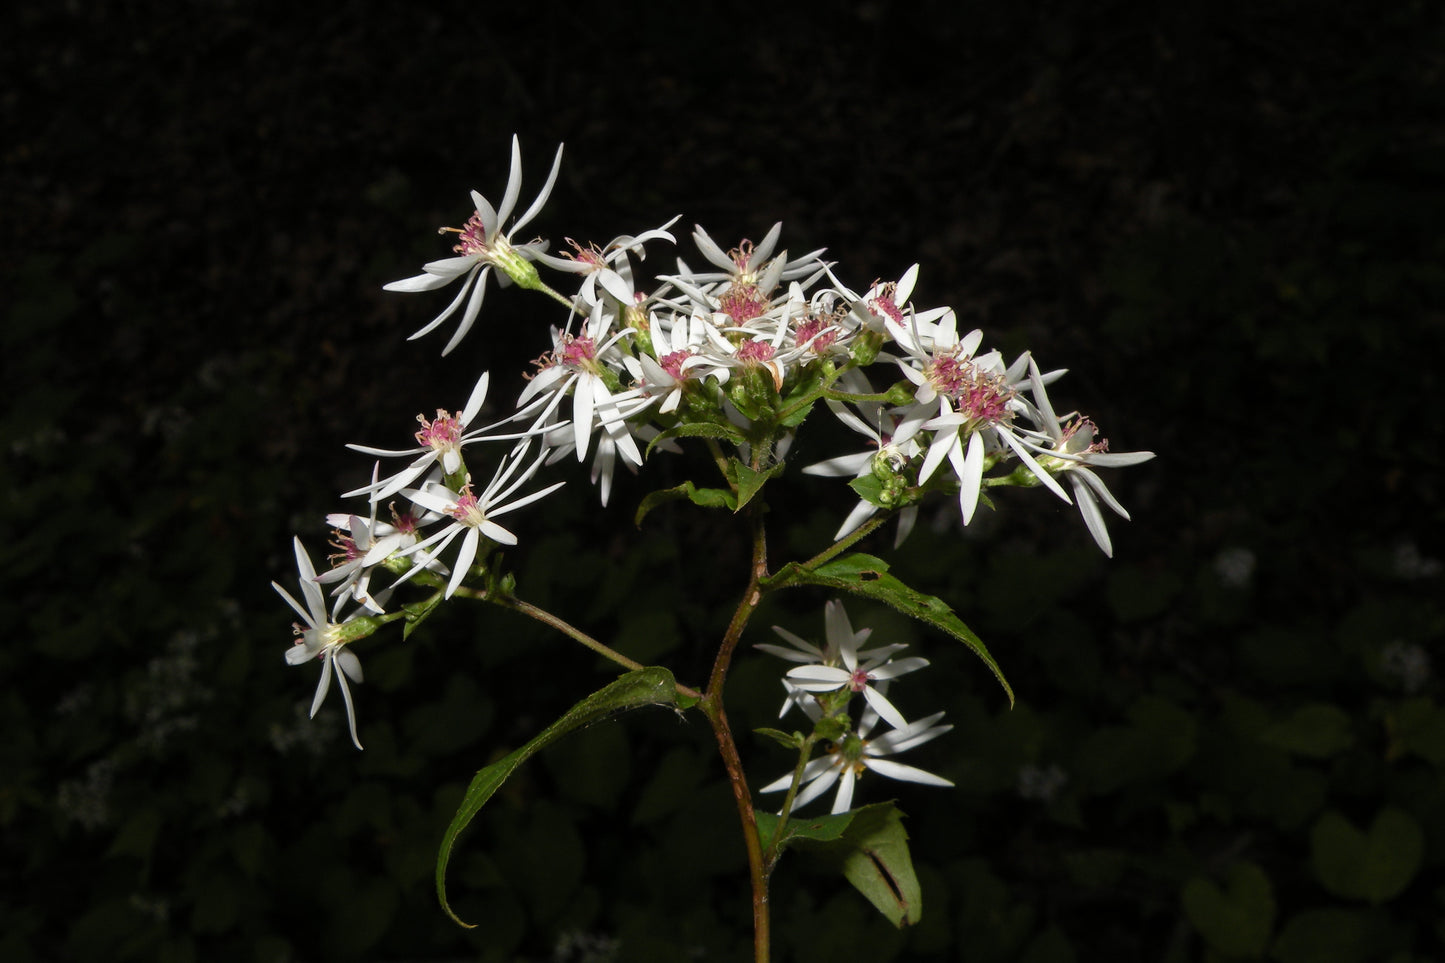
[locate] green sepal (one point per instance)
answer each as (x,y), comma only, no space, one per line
(870,847)
(698,429)
(651,686)
(789,740)
(706,497)
(865,575)
(749,482)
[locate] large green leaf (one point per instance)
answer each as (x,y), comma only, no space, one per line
(1238,919)
(872,853)
(650,686)
(1374,866)
(868,576)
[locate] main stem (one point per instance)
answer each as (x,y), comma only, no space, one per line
(712,707)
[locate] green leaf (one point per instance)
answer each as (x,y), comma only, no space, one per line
(706,497)
(822,829)
(868,576)
(1237,920)
(873,854)
(1318,731)
(650,686)
(1375,866)
(749,482)
(869,488)
(790,740)
(698,429)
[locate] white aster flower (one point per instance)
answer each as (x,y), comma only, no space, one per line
(472,515)
(482,245)
(1070,450)
(838,632)
(847,760)
(321,639)
(608,267)
(857,671)
(581,365)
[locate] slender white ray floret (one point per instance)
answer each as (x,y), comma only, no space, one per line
(481,246)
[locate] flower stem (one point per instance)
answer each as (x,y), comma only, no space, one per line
(712,707)
(770,856)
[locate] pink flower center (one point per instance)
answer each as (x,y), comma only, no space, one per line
(755,352)
(467,511)
(859,681)
(472,240)
(982,397)
(591,256)
(883,303)
(442,434)
(815,333)
(577,352)
(672,364)
(743,302)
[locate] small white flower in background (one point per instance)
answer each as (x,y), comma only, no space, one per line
(1234,566)
(482,246)
(838,632)
(1041,784)
(1407,664)
(321,639)
(848,760)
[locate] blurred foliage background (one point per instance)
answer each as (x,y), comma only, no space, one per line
(1223,218)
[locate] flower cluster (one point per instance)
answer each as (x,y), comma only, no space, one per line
(823,686)
(735,353)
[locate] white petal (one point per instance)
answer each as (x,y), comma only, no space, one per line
(897,770)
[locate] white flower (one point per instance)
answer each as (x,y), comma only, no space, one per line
(439,442)
(321,639)
(472,515)
(858,672)
(846,761)
(481,247)
(1070,450)
(579,365)
(838,632)
(608,267)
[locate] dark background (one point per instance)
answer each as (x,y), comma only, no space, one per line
(1223,218)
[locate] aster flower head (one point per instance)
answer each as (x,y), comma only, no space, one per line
(439,443)
(321,638)
(857,753)
(1070,449)
(842,665)
(482,245)
(473,515)
(608,267)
